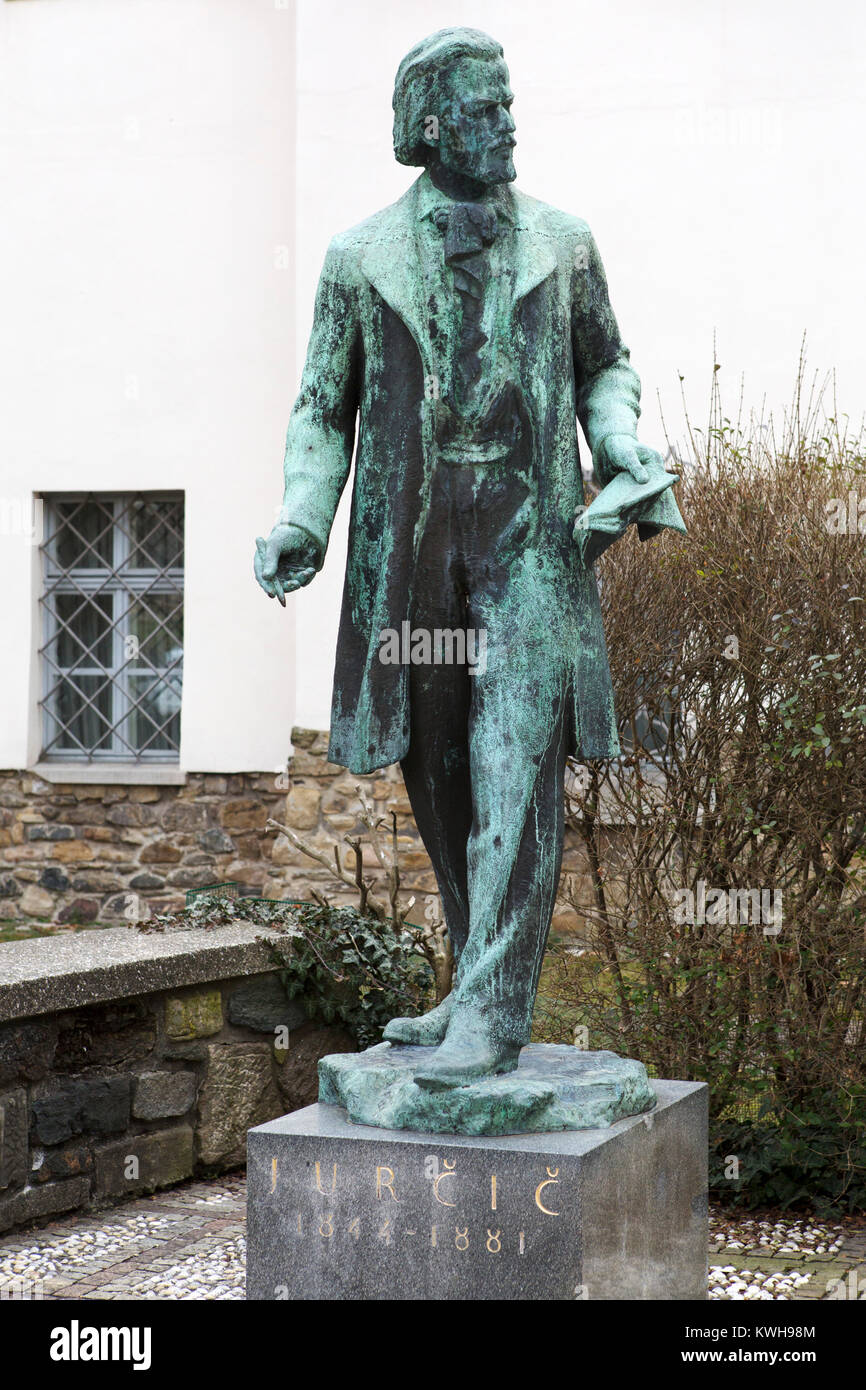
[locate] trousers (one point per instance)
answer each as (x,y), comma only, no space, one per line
(485,765)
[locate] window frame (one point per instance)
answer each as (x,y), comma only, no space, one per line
(135,583)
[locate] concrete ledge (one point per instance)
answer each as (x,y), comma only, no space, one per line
(110,774)
(131,1060)
(66,971)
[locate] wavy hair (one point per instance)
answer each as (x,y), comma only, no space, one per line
(416,94)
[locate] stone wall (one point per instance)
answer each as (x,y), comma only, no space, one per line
(132,1093)
(74,853)
(322,807)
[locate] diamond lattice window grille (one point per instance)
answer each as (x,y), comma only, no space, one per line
(112,604)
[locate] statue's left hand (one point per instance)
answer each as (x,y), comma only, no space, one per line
(623,454)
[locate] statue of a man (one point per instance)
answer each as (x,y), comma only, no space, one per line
(463,331)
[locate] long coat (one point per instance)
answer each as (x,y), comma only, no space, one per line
(370,358)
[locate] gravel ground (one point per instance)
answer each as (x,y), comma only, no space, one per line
(188,1243)
(785,1257)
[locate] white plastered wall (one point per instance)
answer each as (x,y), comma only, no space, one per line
(146,330)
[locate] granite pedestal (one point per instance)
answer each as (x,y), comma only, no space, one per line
(343,1211)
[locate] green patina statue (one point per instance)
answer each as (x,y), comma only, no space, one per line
(465,330)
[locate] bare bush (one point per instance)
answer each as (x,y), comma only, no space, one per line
(728,907)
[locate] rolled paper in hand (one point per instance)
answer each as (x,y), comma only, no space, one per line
(650,506)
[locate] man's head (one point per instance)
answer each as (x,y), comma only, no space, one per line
(452,106)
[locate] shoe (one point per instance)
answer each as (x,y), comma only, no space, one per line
(459,1063)
(426,1031)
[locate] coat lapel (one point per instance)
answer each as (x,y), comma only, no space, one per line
(392,264)
(535,259)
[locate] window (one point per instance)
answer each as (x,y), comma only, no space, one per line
(112,654)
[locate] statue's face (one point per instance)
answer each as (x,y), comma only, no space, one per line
(476,129)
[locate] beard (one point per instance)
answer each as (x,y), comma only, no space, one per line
(489,166)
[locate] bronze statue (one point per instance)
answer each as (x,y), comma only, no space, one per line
(463,332)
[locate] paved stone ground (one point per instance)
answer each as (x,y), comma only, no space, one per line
(188,1243)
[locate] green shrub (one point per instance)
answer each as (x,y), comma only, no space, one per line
(360,971)
(347,968)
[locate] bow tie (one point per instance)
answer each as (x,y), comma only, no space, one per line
(468,228)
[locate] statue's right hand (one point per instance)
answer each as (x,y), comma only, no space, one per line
(286,561)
